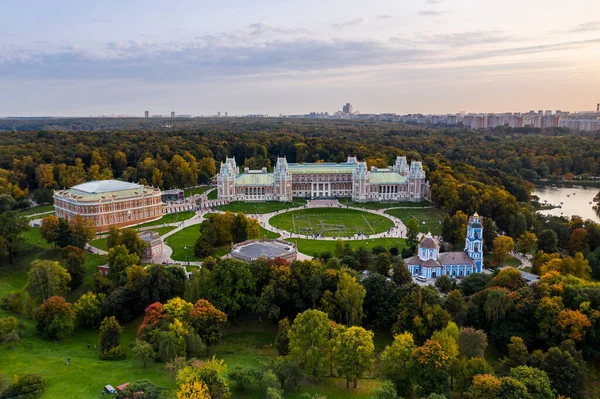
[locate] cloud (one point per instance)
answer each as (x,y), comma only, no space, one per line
(465,39)
(592,26)
(433,1)
(430,13)
(352,22)
(384,16)
(259,28)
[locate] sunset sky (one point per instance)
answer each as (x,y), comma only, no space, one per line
(81,58)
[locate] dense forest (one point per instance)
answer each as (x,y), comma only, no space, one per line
(493,335)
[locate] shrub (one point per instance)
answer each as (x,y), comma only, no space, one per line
(386,390)
(114,353)
(29,386)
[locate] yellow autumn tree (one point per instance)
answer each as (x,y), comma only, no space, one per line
(193,390)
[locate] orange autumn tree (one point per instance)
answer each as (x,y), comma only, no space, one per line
(207,320)
(574,323)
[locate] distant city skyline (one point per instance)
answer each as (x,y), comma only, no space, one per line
(66,58)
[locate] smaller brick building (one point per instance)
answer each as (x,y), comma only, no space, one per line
(155,244)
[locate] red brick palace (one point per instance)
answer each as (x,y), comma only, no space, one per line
(108,203)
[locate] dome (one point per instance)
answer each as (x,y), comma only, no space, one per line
(429,242)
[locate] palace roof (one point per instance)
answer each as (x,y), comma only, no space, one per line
(255,179)
(104,190)
(309,168)
(378,177)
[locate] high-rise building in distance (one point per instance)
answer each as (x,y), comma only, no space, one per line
(146,114)
(172,114)
(348,109)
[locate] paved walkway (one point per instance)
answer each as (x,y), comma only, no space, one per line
(398,231)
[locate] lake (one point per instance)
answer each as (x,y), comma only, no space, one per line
(578,204)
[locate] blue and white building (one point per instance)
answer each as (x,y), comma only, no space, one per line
(430,263)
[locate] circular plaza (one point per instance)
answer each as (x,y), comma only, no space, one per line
(331,222)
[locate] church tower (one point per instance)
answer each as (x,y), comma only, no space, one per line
(283,180)
(474,241)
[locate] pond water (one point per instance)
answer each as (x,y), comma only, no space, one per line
(575,200)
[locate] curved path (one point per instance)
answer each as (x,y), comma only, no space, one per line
(398,231)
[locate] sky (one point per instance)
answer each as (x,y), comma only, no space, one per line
(109,57)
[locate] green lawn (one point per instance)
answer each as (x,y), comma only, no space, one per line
(512,261)
(37,209)
(429,219)
(269,234)
(213,194)
(100,243)
(196,190)
(310,247)
(183,243)
(383,205)
(261,207)
(331,222)
(169,218)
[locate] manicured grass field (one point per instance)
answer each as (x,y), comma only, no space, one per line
(169,218)
(183,243)
(213,194)
(37,209)
(266,233)
(311,247)
(196,190)
(383,205)
(100,243)
(261,207)
(429,219)
(331,222)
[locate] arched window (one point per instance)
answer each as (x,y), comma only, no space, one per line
(476,234)
(476,247)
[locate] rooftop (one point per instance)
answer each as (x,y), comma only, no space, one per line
(264,249)
(105,186)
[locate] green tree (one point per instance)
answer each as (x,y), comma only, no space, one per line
(233,286)
(400,273)
(64,236)
(282,340)
(132,241)
(110,337)
(349,297)
(74,259)
(88,309)
(398,363)
(443,283)
(509,278)
(239,228)
(49,229)
(547,241)
(55,318)
(503,245)
(386,390)
(536,381)
(207,321)
(309,341)
(457,307)
(526,242)
(119,260)
(353,350)
(566,371)
(82,231)
(472,343)
(412,230)
(47,278)
(517,354)
(12,225)
(339,248)
(114,237)
(143,351)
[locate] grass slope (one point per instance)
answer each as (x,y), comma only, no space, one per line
(311,247)
(37,209)
(383,205)
(196,190)
(261,207)
(169,218)
(429,219)
(331,222)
